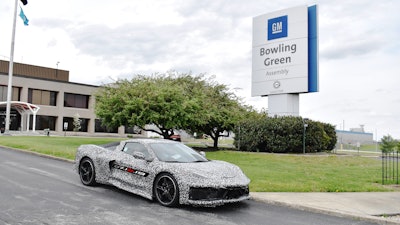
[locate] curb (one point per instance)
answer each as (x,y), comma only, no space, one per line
(368,218)
(38,154)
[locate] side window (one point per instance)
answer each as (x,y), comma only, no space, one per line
(131,147)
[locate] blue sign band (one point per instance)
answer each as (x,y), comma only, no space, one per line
(312,49)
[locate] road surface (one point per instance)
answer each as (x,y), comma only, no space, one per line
(38,190)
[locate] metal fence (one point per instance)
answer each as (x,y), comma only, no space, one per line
(390,167)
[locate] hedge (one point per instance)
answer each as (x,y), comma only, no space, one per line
(284,135)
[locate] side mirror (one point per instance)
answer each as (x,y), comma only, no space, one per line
(202,154)
(139,155)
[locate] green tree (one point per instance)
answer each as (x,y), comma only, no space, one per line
(220,110)
(388,144)
(145,100)
(398,146)
(170,102)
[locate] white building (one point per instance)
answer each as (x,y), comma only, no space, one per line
(58,99)
(354,137)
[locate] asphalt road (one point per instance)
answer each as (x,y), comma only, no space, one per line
(37,190)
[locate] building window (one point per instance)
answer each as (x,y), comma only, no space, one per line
(99,127)
(15,96)
(133,130)
(76,100)
(44,122)
(42,97)
(15,119)
(70,123)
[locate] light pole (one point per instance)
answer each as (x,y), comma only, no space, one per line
(305,125)
(57,68)
(239,138)
(10,72)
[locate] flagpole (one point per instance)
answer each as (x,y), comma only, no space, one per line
(10,72)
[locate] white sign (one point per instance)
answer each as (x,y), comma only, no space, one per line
(280,52)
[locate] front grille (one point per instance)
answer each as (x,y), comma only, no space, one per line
(217,193)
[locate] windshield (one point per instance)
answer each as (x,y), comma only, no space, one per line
(176,152)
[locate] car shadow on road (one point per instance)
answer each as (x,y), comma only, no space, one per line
(218,209)
(130,197)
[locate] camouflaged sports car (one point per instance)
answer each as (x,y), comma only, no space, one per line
(168,171)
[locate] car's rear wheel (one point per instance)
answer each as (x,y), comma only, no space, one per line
(166,190)
(87,172)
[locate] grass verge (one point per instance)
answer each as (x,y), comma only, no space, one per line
(64,147)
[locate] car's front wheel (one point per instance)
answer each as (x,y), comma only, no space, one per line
(87,172)
(166,190)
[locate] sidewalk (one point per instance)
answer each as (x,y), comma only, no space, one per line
(379,207)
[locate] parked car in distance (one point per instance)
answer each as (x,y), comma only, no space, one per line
(175,137)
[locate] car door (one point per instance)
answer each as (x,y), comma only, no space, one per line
(131,170)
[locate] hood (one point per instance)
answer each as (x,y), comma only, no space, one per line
(213,169)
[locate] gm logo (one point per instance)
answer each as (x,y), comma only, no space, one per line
(277,27)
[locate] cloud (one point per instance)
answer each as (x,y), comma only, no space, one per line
(357,28)
(358,42)
(350,48)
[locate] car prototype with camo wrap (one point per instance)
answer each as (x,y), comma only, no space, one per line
(167,171)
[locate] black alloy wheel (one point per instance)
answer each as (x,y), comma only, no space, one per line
(87,172)
(166,190)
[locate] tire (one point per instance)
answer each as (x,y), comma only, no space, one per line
(166,190)
(87,172)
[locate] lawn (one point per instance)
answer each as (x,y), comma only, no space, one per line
(307,173)
(364,147)
(268,172)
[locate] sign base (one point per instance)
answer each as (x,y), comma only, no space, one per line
(283,105)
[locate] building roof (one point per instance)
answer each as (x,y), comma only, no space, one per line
(40,72)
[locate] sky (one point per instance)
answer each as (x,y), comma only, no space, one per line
(102,41)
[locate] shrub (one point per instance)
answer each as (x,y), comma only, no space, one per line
(284,135)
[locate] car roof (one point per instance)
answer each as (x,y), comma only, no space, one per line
(150,140)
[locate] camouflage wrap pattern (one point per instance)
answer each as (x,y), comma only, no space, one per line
(117,168)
